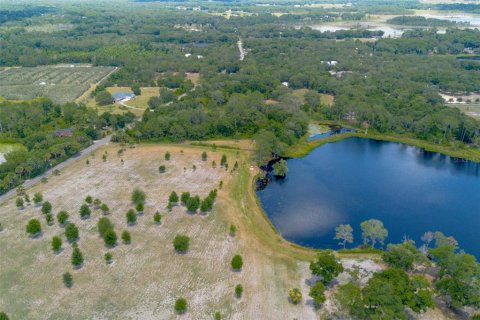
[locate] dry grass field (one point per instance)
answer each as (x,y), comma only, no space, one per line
(60,83)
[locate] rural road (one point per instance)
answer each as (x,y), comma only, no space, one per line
(30,182)
(243,53)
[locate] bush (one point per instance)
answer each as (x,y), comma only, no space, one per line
(295,295)
(67,280)
(62,217)
(184,197)
(37,198)
(402,255)
(33,227)
(162,169)
(131,217)
(139,207)
(181,243)
(77,257)
(238,290)
(108,257)
(204,156)
(223,161)
(173,198)
(233,230)
(326,267)
(138,196)
(49,219)
(157,217)
(317,293)
(56,244)
(181,305)
(167,156)
(19,202)
(97,203)
(193,203)
(110,238)
(4,316)
(104,208)
(237,262)
(85,211)
(126,237)
(46,207)
(217,316)
(71,232)
(89,200)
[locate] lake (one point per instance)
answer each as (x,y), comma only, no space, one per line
(355,179)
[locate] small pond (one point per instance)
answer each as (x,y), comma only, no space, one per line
(412,191)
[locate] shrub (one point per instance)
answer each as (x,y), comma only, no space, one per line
(85,211)
(214,164)
(181,305)
(139,207)
(138,196)
(46,207)
(104,208)
(33,227)
(49,218)
(295,295)
(37,198)
(162,169)
(108,257)
(233,230)
(67,280)
(223,161)
(27,198)
(19,202)
(237,262)
(110,238)
(402,255)
(89,200)
(238,290)
(181,243)
(326,267)
(104,224)
(184,197)
(77,257)
(167,156)
(131,217)
(126,237)
(157,217)
(217,316)
(56,244)
(317,294)
(71,232)
(204,156)
(173,198)
(62,217)
(97,203)
(193,203)
(4,316)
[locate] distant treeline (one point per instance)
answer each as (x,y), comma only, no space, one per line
(13,15)
(465,7)
(420,21)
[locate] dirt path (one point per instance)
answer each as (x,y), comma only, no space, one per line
(243,52)
(85,95)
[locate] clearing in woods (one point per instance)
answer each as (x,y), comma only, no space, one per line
(62,83)
(147,276)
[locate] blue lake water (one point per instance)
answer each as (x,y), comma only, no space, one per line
(410,190)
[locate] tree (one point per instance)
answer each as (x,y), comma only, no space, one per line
(104,98)
(326,267)
(136,89)
(317,293)
(373,231)
(126,237)
(37,198)
(46,207)
(204,156)
(97,203)
(237,262)
(85,211)
(295,295)
(19,202)
(138,196)
(233,230)
(344,232)
(131,217)
(238,290)
(104,224)
(184,197)
(67,280)
(49,219)
(89,200)
(217,316)
(181,243)
(71,232)
(110,238)
(157,217)
(173,198)
(62,217)
(33,227)
(402,255)
(162,169)
(108,257)
(167,156)
(280,168)
(166,95)
(139,207)
(223,161)
(427,238)
(77,257)
(193,203)
(181,305)
(104,208)
(56,244)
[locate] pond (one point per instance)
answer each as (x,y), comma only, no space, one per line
(412,191)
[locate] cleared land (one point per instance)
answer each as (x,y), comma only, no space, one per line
(60,83)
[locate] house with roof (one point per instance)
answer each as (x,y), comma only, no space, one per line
(63,133)
(122,96)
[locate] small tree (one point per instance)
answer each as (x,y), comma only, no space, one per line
(181,243)
(214,164)
(233,230)
(37,198)
(223,161)
(71,232)
(217,315)
(126,237)
(181,305)
(138,196)
(108,257)
(193,203)
(110,238)
(4,316)
(184,197)
(33,227)
(67,280)
(136,89)
(280,168)
(46,207)
(167,156)
(19,202)
(104,208)
(204,156)
(162,169)
(344,232)
(131,217)
(237,262)
(77,257)
(97,203)
(27,198)
(173,198)
(326,267)
(157,217)
(85,211)
(295,295)
(62,217)
(104,224)
(317,293)
(56,244)
(49,219)
(238,290)
(373,231)
(139,207)
(89,200)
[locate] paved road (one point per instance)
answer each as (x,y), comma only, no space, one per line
(81,154)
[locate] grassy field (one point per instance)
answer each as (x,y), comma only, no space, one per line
(472,110)
(325,99)
(59,83)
